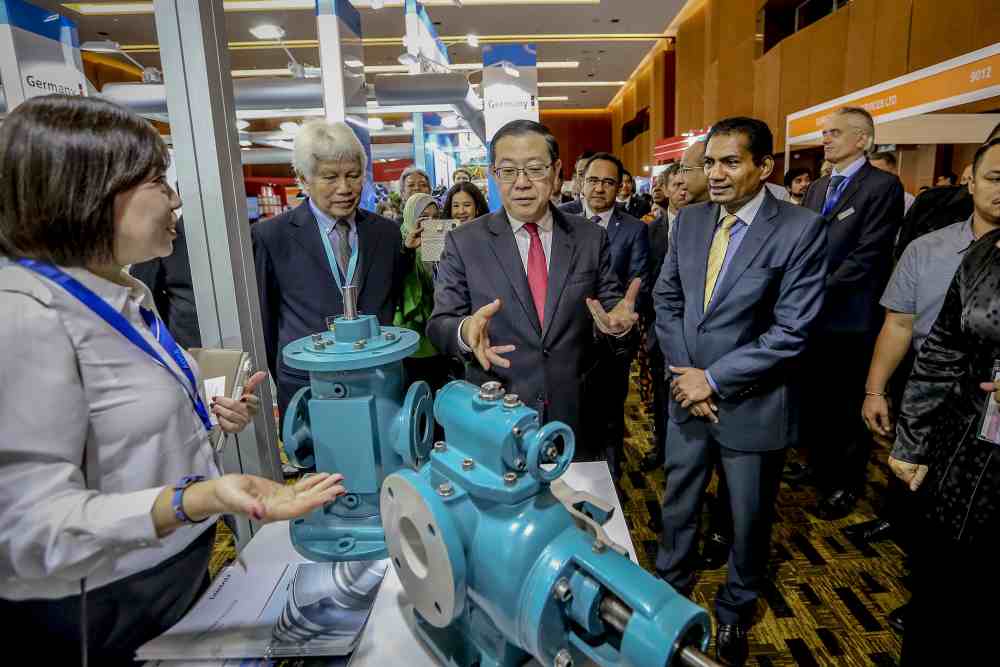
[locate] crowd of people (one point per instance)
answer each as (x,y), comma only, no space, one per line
(766,319)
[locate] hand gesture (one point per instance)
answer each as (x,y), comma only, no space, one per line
(475,333)
(875,413)
(911,473)
(689,385)
(622,317)
(266,500)
(412,240)
(234,414)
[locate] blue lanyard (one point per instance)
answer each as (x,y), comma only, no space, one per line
(352,265)
(103,309)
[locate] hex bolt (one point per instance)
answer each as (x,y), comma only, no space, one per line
(516,431)
(510,478)
(390,336)
(468,464)
(552,452)
(491,391)
(440,446)
(360,344)
(562,591)
(563,659)
(318,342)
(511,401)
(520,463)
(445,489)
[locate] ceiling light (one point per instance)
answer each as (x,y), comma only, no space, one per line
(573,84)
(242,124)
(113,8)
(408,125)
(291,127)
(376,124)
(556,98)
(354,63)
(268,31)
(472,40)
(245,143)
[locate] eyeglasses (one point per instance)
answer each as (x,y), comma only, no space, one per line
(687,169)
(534,172)
(608,183)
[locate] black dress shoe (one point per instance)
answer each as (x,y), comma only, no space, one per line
(837,505)
(868,532)
(652,461)
(896,618)
(715,550)
(731,645)
(797,473)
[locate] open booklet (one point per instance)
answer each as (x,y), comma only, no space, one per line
(274,610)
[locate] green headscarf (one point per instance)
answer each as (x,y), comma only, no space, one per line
(418,286)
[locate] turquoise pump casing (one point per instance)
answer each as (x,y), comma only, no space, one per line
(500,569)
(355,417)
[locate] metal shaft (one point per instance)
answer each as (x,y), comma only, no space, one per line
(350,302)
(692,657)
(615,613)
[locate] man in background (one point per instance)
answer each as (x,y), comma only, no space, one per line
(797,181)
(628,199)
(413,180)
(577,189)
(461,175)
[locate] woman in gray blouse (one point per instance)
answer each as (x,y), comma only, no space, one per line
(107,478)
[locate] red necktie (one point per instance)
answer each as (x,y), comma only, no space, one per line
(538,274)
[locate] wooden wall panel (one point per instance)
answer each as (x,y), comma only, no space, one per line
(860,45)
(795,70)
(714,12)
(940,30)
(710,109)
(629,110)
(736,80)
(577,132)
(690,73)
(892,39)
(767,93)
(826,40)
(658,102)
(617,120)
(668,94)
(986,24)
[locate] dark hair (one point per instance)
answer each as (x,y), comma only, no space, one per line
(760,141)
(584,156)
(63,160)
(671,170)
(517,128)
(981,152)
(950,175)
(626,172)
(607,157)
(482,208)
(884,156)
(795,173)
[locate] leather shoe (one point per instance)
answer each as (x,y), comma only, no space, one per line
(731,645)
(715,550)
(875,530)
(652,461)
(837,505)
(796,473)
(896,618)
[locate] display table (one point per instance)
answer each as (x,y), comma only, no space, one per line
(389,638)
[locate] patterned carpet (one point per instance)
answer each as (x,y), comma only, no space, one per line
(828,598)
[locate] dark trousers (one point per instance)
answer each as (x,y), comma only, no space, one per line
(605,392)
(661,394)
(752,480)
(944,623)
(121,616)
(833,432)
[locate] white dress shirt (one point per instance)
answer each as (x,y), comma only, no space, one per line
(605,217)
(523,240)
(76,395)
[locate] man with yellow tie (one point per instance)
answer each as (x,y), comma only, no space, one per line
(741,285)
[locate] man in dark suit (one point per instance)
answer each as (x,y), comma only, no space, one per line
(305,256)
(631,201)
(519,293)
(607,383)
(863,208)
(741,286)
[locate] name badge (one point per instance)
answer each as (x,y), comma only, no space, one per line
(844,214)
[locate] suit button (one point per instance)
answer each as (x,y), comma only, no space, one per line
(545,352)
(540,398)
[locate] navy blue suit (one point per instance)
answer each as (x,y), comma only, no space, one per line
(754,328)
(298,289)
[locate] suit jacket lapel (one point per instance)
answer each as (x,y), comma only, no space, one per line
(704,233)
(368,242)
(560,265)
(305,231)
(614,222)
(759,232)
(852,187)
(505,248)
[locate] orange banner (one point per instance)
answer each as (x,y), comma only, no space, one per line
(950,83)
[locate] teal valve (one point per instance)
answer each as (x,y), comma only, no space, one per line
(356,417)
(503,562)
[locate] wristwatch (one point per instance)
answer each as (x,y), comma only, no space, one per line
(178,499)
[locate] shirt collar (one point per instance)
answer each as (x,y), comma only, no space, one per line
(748,211)
(967,236)
(115,294)
(326,223)
(605,217)
(545,224)
(852,168)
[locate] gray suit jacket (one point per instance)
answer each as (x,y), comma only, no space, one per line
(481,262)
(756,325)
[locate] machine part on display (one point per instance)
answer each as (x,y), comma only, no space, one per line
(323,595)
(355,417)
(556,598)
